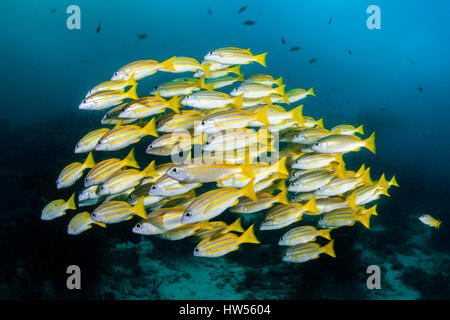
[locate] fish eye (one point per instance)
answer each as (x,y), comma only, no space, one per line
(188,97)
(155,88)
(93,214)
(101,188)
(282,238)
(175,170)
(207,142)
(188,213)
(153,187)
(203,122)
(210,52)
(316,144)
(116,73)
(84,101)
(138,226)
(196,250)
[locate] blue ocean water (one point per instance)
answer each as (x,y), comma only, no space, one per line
(395,81)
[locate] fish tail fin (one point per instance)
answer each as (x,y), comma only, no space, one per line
(340,170)
(247,171)
(339,159)
(351,201)
(311,206)
(329,249)
(101,224)
(150,128)
(249,190)
(393,182)
(174,104)
(383,183)
(240,77)
(370,211)
(267,100)
(249,236)
(206,70)
(139,209)
(280,166)
(311,92)
(361,170)
(370,143)
(168,64)
(280,91)
(360,129)
(118,124)
(261,59)
(71,202)
(131,81)
(238,101)
(261,115)
(204,225)
(132,94)
(150,171)
(279,81)
(236,70)
(282,196)
(365,177)
(364,219)
(130,160)
(236,226)
(437,224)
(297,114)
(89,162)
(320,123)
(325,233)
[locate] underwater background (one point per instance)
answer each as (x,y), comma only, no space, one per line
(395,81)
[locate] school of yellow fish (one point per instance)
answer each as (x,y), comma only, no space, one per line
(244,147)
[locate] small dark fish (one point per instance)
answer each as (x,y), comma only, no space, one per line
(420,89)
(209,11)
(313,60)
(242,9)
(295,48)
(350,52)
(283,41)
(249,22)
(142,36)
(53,10)
(99,27)
(330,20)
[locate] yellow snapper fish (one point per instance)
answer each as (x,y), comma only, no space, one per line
(232,55)
(337,185)
(308,251)
(314,180)
(141,192)
(430,221)
(237,138)
(214,66)
(90,140)
(57,208)
(278,116)
(315,160)
(221,245)
(309,122)
(216,228)
(117,211)
(125,179)
(303,234)
(81,222)
(347,217)
(258,90)
(310,135)
(160,221)
(207,99)
(184,231)
(166,186)
(223,81)
(191,173)
(112,116)
(72,172)
(173,143)
(219,72)
(239,156)
(123,136)
(295,95)
(107,99)
(283,215)
(347,129)
(264,201)
(186,64)
(178,122)
(142,68)
(106,168)
(341,143)
(160,170)
(331,203)
(180,87)
(112,85)
(88,196)
(148,106)
(214,202)
(231,119)
(264,79)
(269,183)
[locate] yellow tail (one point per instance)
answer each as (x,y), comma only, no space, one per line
(150,129)
(235,69)
(248,236)
(101,224)
(311,92)
(370,143)
(361,170)
(249,191)
(168,64)
(150,171)
(325,233)
(282,94)
(89,162)
(261,116)
(71,202)
(139,209)
(297,114)
(351,201)
(360,129)
(236,226)
(365,177)
(118,124)
(206,70)
(174,104)
(437,224)
(132,94)
(320,123)
(393,182)
(279,81)
(282,196)
(238,101)
(239,77)
(280,167)
(130,161)
(311,206)
(329,249)
(364,219)
(261,58)
(247,171)
(131,81)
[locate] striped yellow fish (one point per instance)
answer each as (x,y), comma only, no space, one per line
(232,55)
(166,186)
(125,179)
(340,143)
(148,106)
(308,251)
(142,68)
(315,160)
(310,135)
(265,79)
(72,172)
(214,202)
(173,143)
(180,87)
(160,221)
(430,221)
(347,129)
(58,208)
(278,116)
(107,99)
(258,90)
(223,244)
(339,185)
(295,95)
(309,122)
(217,228)
(208,99)
(219,72)
(106,168)
(223,81)
(237,138)
(347,217)
(186,64)
(303,235)
(283,215)
(88,196)
(82,222)
(122,136)
(118,211)
(112,85)
(90,140)
(112,116)
(314,180)
(264,201)
(178,122)
(184,231)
